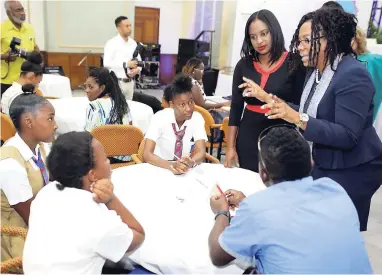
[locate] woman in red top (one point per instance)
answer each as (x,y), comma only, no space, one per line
(264,60)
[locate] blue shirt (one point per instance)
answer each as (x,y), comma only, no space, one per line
(304,226)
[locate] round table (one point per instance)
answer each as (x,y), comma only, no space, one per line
(175,213)
(71,114)
(55,85)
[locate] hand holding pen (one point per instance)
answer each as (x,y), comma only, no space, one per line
(179,167)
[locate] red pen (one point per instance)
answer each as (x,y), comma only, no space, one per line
(220,190)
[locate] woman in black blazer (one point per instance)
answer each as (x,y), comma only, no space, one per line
(336,107)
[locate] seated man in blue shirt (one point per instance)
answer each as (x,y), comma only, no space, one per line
(297,224)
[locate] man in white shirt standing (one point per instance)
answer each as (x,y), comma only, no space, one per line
(119,50)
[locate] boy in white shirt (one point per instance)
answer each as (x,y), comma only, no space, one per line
(176,131)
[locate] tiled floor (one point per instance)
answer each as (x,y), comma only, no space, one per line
(373,237)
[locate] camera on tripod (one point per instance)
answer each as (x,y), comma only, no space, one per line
(21,53)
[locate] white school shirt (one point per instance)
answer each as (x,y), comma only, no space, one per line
(116,52)
(69,233)
(14,178)
(161,132)
(9,95)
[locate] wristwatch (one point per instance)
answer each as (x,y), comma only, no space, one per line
(225,213)
(304,118)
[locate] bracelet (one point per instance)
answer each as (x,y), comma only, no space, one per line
(225,213)
(109,201)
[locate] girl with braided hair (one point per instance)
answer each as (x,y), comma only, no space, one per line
(107,103)
(336,108)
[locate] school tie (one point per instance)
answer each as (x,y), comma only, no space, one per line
(41,165)
(179,141)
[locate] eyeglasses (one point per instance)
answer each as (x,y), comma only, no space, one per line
(201,70)
(264,133)
(306,42)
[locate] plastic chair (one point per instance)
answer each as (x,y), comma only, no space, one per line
(8,130)
(119,140)
(210,127)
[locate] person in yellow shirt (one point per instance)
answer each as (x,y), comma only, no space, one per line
(15,26)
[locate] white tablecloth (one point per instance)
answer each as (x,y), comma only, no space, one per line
(55,85)
(71,114)
(177,232)
(224,84)
(378,122)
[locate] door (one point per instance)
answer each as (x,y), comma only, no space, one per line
(146,25)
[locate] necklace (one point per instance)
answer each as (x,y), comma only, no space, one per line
(317,80)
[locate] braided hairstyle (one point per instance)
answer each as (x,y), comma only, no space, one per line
(71,158)
(120,108)
(294,58)
(286,154)
(337,27)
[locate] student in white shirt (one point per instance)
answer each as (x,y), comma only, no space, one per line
(107,104)
(77,222)
(176,131)
(31,73)
(119,50)
(22,163)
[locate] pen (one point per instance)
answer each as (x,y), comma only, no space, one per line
(182,161)
(220,190)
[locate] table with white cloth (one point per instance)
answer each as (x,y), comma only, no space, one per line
(71,114)
(378,122)
(218,99)
(224,84)
(55,85)
(175,213)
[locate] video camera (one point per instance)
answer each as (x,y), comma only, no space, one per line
(138,50)
(21,53)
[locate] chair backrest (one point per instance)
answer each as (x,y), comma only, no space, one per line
(8,130)
(208,119)
(225,128)
(118,140)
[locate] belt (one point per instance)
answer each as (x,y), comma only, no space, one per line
(257,109)
(126,80)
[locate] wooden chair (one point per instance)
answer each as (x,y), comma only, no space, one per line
(119,140)
(138,158)
(13,265)
(8,130)
(210,127)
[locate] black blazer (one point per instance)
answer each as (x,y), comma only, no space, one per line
(343,135)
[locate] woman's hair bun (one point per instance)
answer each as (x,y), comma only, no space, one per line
(28,89)
(35,58)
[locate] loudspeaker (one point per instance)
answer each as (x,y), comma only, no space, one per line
(210,80)
(58,70)
(192,47)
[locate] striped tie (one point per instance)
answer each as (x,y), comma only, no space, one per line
(40,164)
(179,141)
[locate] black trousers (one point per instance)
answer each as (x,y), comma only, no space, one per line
(4,87)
